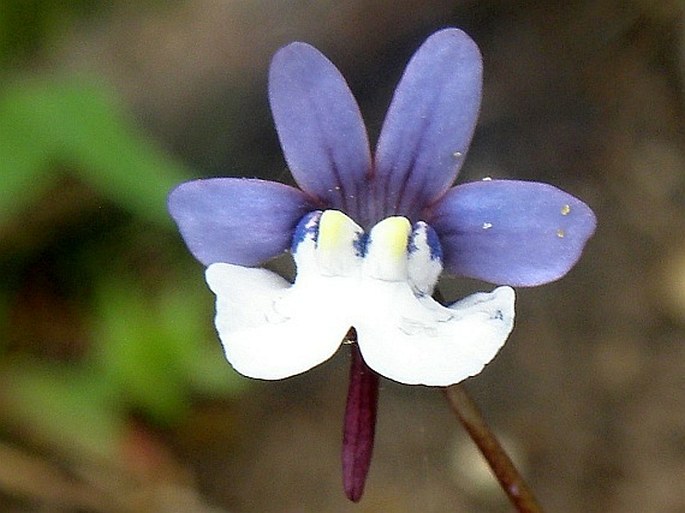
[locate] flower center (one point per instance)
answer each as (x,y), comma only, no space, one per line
(331,244)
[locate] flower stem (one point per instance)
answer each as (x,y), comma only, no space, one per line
(509,478)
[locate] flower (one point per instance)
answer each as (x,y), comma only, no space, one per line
(505,232)
(370,235)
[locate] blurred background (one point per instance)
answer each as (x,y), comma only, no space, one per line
(114,394)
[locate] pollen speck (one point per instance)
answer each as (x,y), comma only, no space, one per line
(487,179)
(457,154)
(560,233)
(565,210)
(487,226)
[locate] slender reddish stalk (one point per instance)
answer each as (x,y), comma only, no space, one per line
(509,478)
(360,425)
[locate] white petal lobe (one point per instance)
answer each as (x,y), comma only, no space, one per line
(418,341)
(270,330)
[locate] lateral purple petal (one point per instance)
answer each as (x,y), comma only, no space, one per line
(236,220)
(430,122)
(320,127)
(511,232)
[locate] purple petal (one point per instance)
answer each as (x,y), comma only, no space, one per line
(320,127)
(360,426)
(430,122)
(237,220)
(511,232)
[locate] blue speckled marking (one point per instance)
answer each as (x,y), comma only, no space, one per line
(431,239)
(433,243)
(308,225)
(360,244)
(411,244)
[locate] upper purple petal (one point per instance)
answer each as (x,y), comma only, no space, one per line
(320,128)
(429,124)
(237,220)
(511,232)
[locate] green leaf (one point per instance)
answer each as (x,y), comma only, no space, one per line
(24,156)
(63,407)
(158,353)
(133,354)
(114,156)
(80,122)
